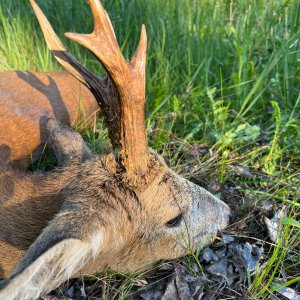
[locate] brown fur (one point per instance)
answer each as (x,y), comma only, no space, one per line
(27,99)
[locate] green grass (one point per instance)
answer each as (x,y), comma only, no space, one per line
(225,74)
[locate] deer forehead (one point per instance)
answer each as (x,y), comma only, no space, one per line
(163,186)
(168,192)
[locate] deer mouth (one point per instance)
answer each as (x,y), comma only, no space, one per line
(202,239)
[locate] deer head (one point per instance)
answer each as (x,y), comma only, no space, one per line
(122,211)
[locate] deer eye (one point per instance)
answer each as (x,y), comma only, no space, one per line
(175,221)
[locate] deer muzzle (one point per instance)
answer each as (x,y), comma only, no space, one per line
(207,215)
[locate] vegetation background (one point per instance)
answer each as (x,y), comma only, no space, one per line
(223,96)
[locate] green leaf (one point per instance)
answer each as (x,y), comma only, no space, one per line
(291,221)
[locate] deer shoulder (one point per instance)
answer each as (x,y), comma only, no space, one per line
(27,99)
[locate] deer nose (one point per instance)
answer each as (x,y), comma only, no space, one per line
(224,209)
(208,212)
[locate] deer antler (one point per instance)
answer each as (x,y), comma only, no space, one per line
(121,96)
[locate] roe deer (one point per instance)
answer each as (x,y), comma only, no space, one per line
(121,211)
(27,99)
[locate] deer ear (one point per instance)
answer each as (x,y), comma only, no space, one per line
(56,255)
(66,143)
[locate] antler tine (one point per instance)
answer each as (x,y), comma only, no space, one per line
(121,96)
(102,41)
(129,79)
(60,52)
(103,44)
(103,90)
